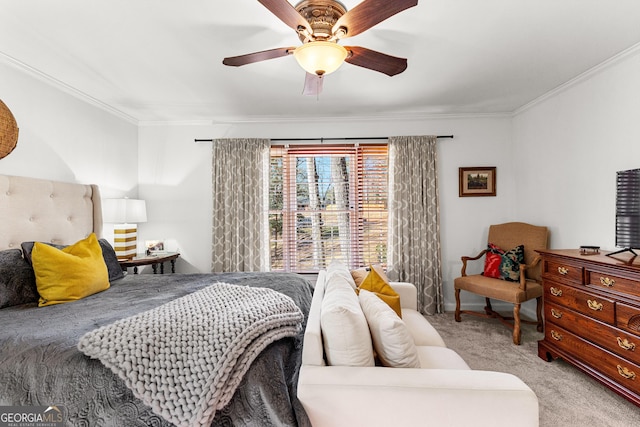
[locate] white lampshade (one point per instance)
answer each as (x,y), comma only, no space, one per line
(320,57)
(124,211)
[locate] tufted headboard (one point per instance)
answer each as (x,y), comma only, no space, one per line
(34,209)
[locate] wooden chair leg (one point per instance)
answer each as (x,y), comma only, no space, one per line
(516,324)
(487,308)
(540,326)
(457,314)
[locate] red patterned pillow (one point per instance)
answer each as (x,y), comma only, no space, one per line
(503,265)
(492,261)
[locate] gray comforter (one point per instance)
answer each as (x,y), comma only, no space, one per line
(41,365)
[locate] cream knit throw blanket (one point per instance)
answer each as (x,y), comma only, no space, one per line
(185,358)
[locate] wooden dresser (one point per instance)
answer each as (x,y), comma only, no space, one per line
(592,316)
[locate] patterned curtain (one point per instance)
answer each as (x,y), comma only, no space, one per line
(414,224)
(240,177)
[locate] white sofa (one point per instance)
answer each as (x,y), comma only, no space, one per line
(444,391)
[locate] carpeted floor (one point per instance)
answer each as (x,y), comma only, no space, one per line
(566,396)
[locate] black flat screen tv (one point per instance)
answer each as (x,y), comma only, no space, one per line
(627,211)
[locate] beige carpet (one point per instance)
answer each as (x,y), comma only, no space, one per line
(566,396)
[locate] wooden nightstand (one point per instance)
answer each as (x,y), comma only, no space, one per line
(152,260)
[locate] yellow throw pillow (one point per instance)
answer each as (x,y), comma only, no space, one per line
(377,282)
(361,273)
(69,274)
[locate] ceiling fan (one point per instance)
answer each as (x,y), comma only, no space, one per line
(320,24)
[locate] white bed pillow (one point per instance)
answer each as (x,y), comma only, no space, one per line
(345,333)
(391,338)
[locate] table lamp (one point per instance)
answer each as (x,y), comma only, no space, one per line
(125,214)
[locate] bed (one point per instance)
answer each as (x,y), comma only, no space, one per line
(40,360)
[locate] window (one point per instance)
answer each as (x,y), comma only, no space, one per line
(327,203)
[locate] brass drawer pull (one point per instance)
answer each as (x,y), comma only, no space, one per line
(626,373)
(625,344)
(556,313)
(556,336)
(563,271)
(594,305)
(555,292)
(605,281)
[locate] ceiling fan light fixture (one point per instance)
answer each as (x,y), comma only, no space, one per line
(320,57)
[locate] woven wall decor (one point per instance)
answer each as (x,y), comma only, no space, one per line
(8,131)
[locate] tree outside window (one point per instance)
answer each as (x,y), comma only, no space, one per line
(327,203)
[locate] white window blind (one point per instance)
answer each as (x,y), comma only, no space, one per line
(327,203)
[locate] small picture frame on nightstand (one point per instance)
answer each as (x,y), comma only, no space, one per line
(155,247)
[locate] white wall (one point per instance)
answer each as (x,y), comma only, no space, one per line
(567,149)
(175,179)
(65,138)
(570,146)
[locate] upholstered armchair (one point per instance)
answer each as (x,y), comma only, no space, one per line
(511,274)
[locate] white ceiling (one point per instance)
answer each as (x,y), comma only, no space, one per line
(161,60)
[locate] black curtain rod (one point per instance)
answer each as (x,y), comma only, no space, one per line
(331,139)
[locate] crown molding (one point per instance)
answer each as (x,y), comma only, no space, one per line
(395,117)
(60,85)
(239,120)
(150,123)
(391,117)
(579,78)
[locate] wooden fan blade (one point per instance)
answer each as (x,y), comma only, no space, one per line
(381,62)
(236,61)
(369,13)
(287,13)
(312,84)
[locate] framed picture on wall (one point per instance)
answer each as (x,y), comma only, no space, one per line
(477,181)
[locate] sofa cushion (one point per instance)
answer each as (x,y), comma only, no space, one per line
(377,282)
(359,275)
(498,289)
(338,272)
(345,333)
(391,339)
(421,330)
(440,358)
